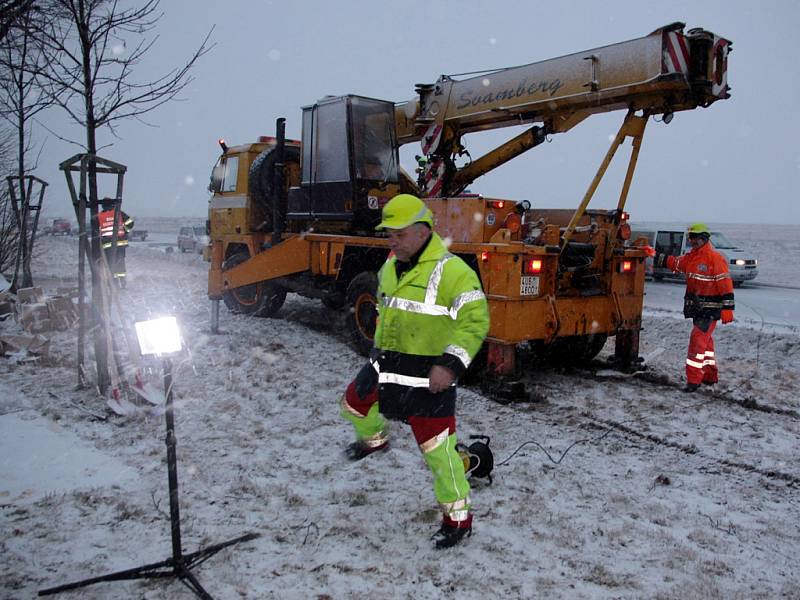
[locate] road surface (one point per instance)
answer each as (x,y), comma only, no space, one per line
(774,308)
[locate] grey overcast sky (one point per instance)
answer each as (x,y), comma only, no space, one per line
(737,161)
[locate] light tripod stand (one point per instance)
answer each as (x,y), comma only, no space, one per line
(161,337)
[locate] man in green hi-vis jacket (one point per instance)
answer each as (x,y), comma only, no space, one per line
(432,319)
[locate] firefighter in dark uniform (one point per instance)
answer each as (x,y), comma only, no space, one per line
(114,255)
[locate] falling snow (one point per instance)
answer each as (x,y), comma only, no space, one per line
(608,487)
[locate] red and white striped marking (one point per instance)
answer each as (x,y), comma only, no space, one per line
(431,139)
(719,67)
(434,178)
(676,53)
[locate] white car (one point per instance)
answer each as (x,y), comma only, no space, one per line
(192,239)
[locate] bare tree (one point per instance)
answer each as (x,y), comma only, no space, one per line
(9,232)
(94,47)
(21,99)
(91,64)
(11,11)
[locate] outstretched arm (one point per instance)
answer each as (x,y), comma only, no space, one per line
(661,260)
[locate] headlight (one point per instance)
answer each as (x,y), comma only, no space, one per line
(739,262)
(755,262)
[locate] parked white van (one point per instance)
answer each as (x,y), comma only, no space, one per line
(743,266)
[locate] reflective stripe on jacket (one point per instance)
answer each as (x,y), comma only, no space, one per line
(709,287)
(434,314)
(106,221)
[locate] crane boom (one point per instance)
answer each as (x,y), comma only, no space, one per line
(665,71)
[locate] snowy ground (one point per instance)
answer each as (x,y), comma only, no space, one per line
(619,487)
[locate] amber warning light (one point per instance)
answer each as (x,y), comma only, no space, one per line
(533,265)
(626,266)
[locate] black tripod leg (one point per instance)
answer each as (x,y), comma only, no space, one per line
(190,581)
(143,572)
(200,556)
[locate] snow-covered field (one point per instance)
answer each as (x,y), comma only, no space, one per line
(611,487)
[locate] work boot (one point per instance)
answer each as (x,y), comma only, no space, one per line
(709,383)
(691,387)
(449,534)
(358,450)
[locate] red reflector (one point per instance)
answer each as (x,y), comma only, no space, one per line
(533,265)
(485,256)
(626,266)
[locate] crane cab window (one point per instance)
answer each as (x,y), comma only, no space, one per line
(308,143)
(329,159)
(374,154)
(334,126)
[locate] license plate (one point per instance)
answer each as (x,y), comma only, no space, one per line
(529,286)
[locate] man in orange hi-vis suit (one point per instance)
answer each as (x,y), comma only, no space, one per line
(708,298)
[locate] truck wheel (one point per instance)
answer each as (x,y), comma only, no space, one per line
(586,347)
(334,301)
(260,179)
(575,350)
(363,314)
(262,299)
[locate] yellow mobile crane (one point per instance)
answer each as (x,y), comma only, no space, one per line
(300,216)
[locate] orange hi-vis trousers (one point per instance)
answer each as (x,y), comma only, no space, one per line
(701,363)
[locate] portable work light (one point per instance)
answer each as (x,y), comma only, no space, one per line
(159,337)
(162,338)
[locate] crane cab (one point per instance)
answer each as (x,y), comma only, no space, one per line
(349,162)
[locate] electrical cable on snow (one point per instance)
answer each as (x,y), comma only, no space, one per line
(563,454)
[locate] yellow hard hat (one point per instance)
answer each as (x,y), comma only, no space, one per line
(404,210)
(699,229)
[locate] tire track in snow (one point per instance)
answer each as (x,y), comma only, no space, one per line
(692,449)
